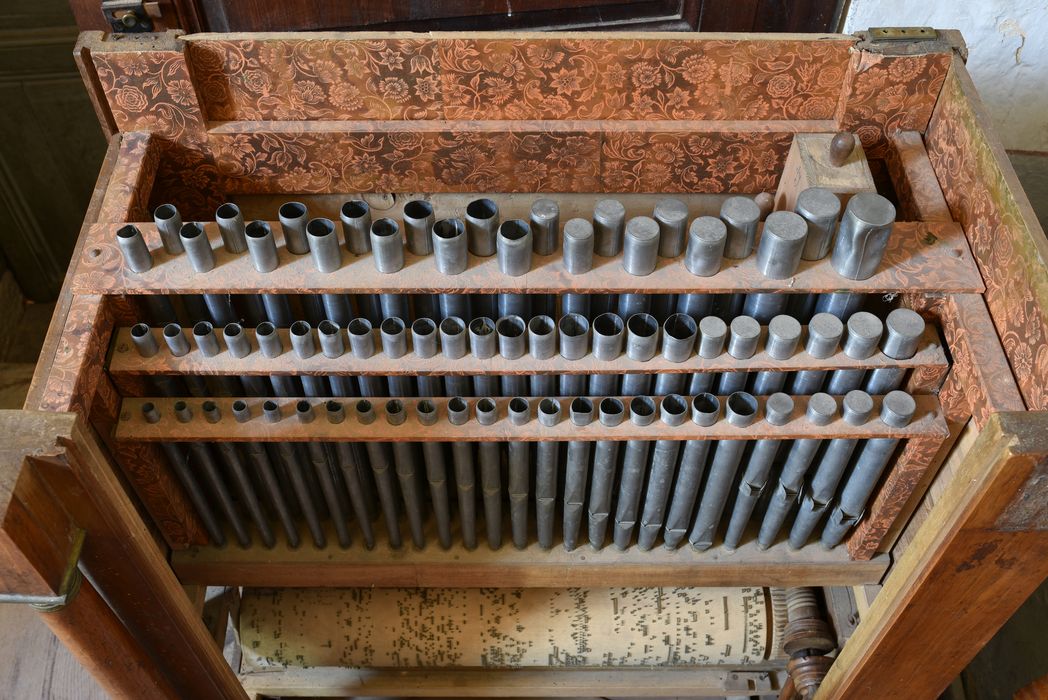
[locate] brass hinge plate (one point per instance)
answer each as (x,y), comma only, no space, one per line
(903,34)
(127,16)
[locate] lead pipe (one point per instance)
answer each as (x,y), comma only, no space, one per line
(781,245)
(482,224)
(819,208)
(673,411)
(740,216)
(437,478)
(490,475)
(705,410)
(168,223)
(465,475)
(405,463)
(784,334)
(450,249)
(513,248)
(576,473)
(387,246)
(512,339)
(765,306)
(634,462)
(642,337)
(824,336)
(605,462)
(862,236)
(698,306)
(217,487)
(231,227)
(356,226)
(609,223)
(323,470)
(293,218)
(418,225)
(740,411)
(860,342)
(136,253)
(641,248)
(350,467)
(904,330)
(578,247)
(545,226)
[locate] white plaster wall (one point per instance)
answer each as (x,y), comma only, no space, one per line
(1007,54)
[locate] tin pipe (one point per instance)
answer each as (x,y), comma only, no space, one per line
(453,337)
(862,236)
(491,489)
(642,337)
(815,500)
(671,214)
(143,339)
(574,336)
(361,338)
(634,462)
(637,384)
(741,411)
(458,385)
(261,246)
(897,410)
(707,238)
(176,341)
(784,333)
(268,341)
(840,304)
(482,223)
(713,332)
(609,223)
(216,486)
(777,411)
(904,330)
(745,334)
(698,306)
(465,475)
(437,477)
(350,469)
(608,336)
(331,343)
(781,245)
(394,338)
(220,309)
(605,461)
(296,473)
(575,304)
(576,473)
(424,337)
(641,249)
(705,410)
(663,306)
(572,384)
(673,411)
(764,307)
(678,337)
(323,245)
(629,304)
(197,246)
(133,247)
(387,246)
(418,224)
(483,340)
(356,226)
(380,457)
(278,311)
(406,465)
(824,336)
(450,250)
(293,218)
(545,226)
(513,247)
(231,227)
(578,246)
(860,342)
(205,339)
(603,385)
(263,466)
(168,223)
(822,408)
(394,305)
(302,340)
(511,337)
(740,216)
(819,208)
(519,473)
(337,308)
(318,458)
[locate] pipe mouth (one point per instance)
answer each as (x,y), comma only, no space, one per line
(303,406)
(674,405)
(292,210)
(426,406)
(611,407)
(541,325)
(642,325)
(485,405)
(355,209)
(139,330)
(165,212)
(191,230)
(448,229)
(129,231)
(394,407)
(457,404)
(258,230)
(385,228)
(706,403)
(265,329)
(320,228)
(172,330)
(209,406)
(359,327)
(742,404)
(681,326)
(203,328)
(392,326)
(642,406)
(239,406)
(581,410)
(423,327)
(300,328)
(573,325)
(608,324)
(519,404)
(227,211)
(328,328)
(482,326)
(418,209)
(482,209)
(363,406)
(232,330)
(452,325)
(510,326)
(549,407)
(514,230)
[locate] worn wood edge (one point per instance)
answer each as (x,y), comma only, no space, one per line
(709,682)
(741,37)
(95,93)
(123,359)
(928,422)
(908,162)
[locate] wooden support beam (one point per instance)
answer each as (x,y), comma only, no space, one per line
(978,556)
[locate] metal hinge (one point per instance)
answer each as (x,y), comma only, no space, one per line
(128,16)
(910,40)
(903,34)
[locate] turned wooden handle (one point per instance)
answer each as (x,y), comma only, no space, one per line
(841,148)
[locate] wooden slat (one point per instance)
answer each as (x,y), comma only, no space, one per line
(920,197)
(927,421)
(532,567)
(126,360)
(921,257)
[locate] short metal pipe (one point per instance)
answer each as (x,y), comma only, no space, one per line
(642,337)
(387,246)
(424,337)
(905,328)
(450,250)
(781,245)
(713,333)
(356,226)
(302,340)
(198,247)
(513,247)
(261,246)
(323,245)
(862,236)
(418,225)
(574,336)
(394,338)
(168,223)
(578,246)
(143,339)
(609,224)
(453,337)
(678,337)
(482,224)
(512,339)
(176,340)
(745,334)
(671,215)
(293,219)
(820,209)
(133,247)
(361,338)
(740,216)
(545,226)
(231,227)
(331,343)
(641,248)
(608,336)
(707,238)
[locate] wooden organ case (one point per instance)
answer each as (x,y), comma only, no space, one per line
(529,474)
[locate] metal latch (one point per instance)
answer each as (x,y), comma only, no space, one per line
(127,17)
(903,34)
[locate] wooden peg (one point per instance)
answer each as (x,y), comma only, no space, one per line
(841,147)
(766,202)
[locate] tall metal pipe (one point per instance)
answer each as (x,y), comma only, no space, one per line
(605,462)
(513,247)
(350,468)
(380,459)
(482,223)
(465,475)
(293,217)
(405,461)
(705,410)
(741,216)
(418,226)
(168,223)
(355,215)
(634,463)
(673,411)
(133,247)
(609,224)
(545,226)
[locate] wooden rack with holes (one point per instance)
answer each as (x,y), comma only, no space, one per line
(200,120)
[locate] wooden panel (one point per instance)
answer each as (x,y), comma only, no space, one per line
(927,421)
(127,196)
(920,257)
(985,197)
(125,360)
(961,578)
(919,194)
(533,567)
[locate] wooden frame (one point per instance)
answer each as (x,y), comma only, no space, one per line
(200,132)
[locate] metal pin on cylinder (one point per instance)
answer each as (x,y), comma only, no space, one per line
(293,217)
(513,247)
(671,214)
(781,245)
(578,246)
(394,337)
(740,216)
(641,248)
(482,223)
(707,237)
(356,226)
(483,341)
(450,250)
(387,246)
(545,226)
(134,249)
(418,225)
(678,337)
(819,208)
(609,223)
(542,337)
(361,338)
(424,337)
(608,336)
(302,340)
(231,227)
(862,236)
(261,246)
(330,334)
(453,337)
(574,336)
(198,247)
(168,223)
(642,337)
(268,340)
(236,340)
(511,336)
(144,340)
(323,245)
